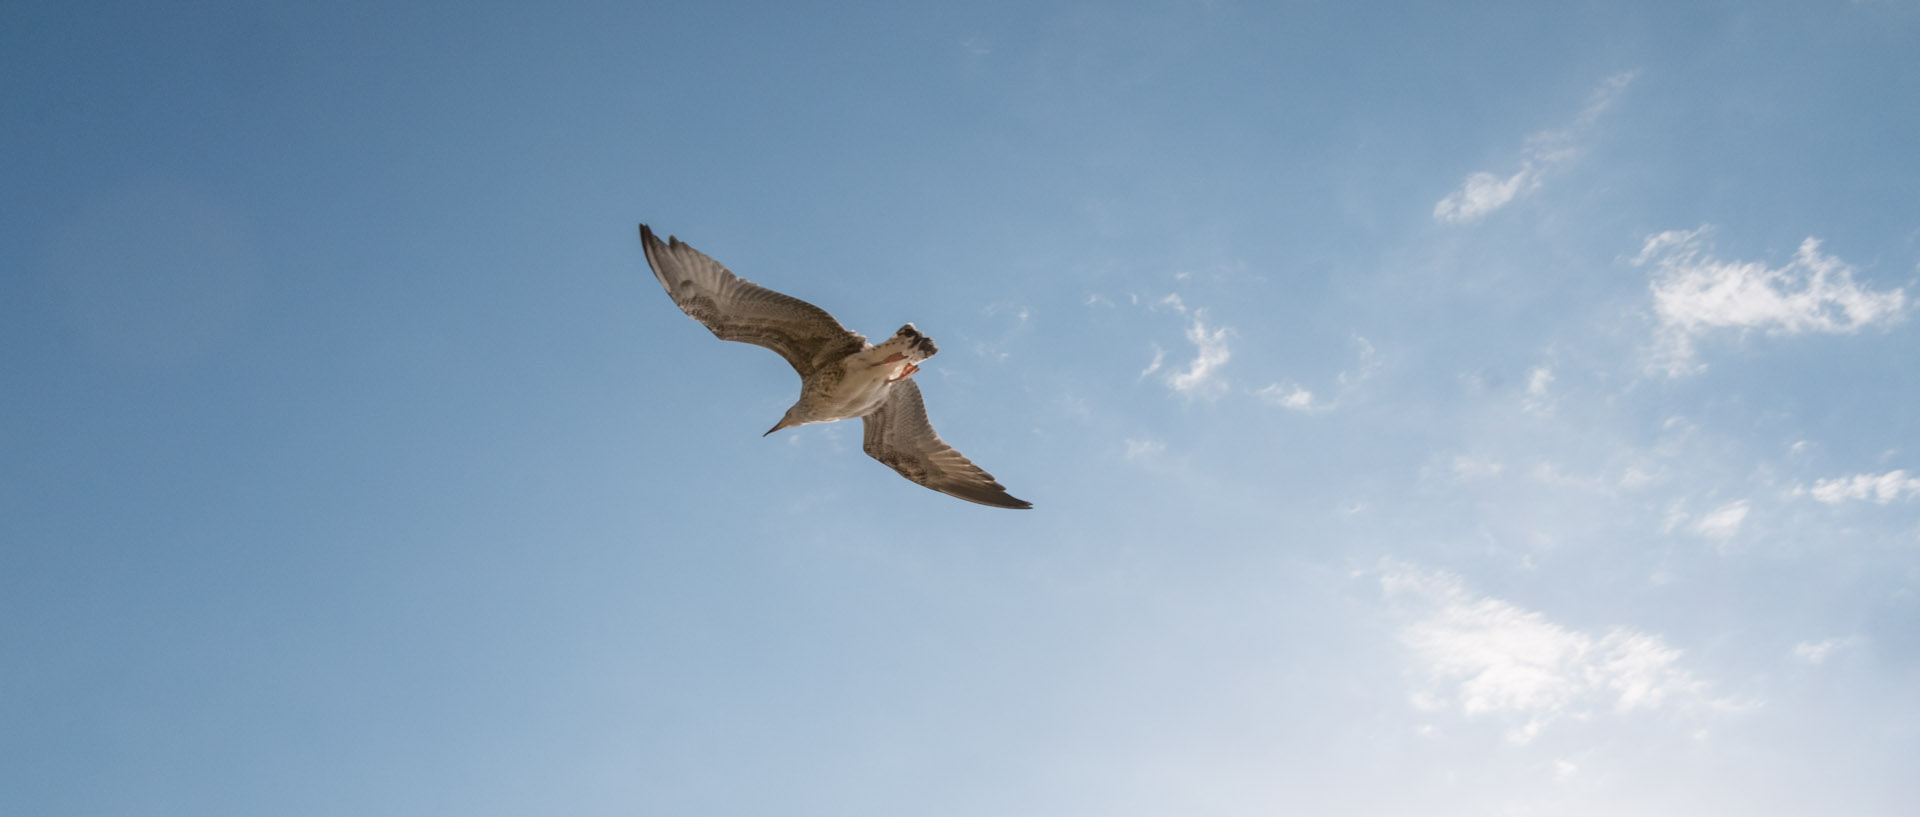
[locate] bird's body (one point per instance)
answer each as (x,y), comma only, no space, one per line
(842,376)
(860,383)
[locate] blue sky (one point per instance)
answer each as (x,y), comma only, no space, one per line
(1496,408)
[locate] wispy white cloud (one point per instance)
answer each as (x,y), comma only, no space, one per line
(1722,523)
(1816,652)
(1634,478)
(1201,376)
(1363,368)
(1676,515)
(1539,400)
(1291,395)
(1564,770)
(1143,448)
(1484,192)
(1466,467)
(1879,488)
(1490,657)
(1695,293)
(1547,473)
(1159,358)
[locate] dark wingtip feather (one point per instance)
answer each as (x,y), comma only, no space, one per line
(648,238)
(1007,500)
(990,495)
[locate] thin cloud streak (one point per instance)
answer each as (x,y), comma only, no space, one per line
(1539,398)
(1722,523)
(1290,396)
(1295,397)
(1159,358)
(1877,488)
(1139,449)
(1817,652)
(1484,192)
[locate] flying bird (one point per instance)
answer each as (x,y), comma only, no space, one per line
(842,376)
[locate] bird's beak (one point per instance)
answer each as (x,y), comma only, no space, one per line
(777,426)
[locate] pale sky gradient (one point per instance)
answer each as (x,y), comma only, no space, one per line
(1429,409)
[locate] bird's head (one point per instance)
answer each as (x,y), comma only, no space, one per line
(789,420)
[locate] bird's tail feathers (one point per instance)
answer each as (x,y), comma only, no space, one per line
(921,347)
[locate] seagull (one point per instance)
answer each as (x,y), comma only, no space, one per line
(842,376)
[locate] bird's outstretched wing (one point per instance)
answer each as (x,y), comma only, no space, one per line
(899,435)
(737,309)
